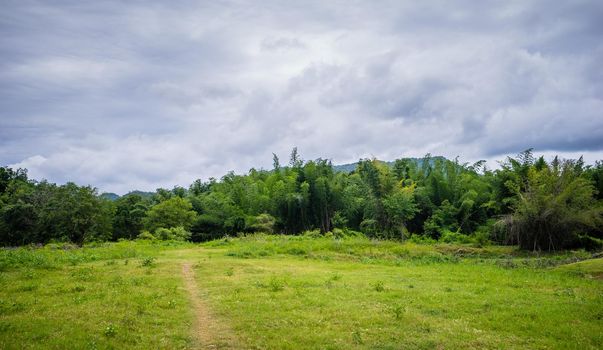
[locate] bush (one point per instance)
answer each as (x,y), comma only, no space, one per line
(146,235)
(419,239)
(369,227)
(312,233)
(172,234)
(455,237)
(481,238)
(590,243)
(262,223)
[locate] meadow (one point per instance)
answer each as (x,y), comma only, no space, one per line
(297,292)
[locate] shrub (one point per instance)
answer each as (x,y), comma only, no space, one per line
(146,235)
(590,243)
(454,237)
(276,284)
(147,262)
(174,233)
(379,286)
(110,330)
(419,239)
(369,227)
(312,233)
(481,238)
(262,223)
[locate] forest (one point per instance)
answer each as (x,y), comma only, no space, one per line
(528,201)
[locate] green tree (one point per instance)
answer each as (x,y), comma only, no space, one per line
(130,211)
(73,213)
(556,210)
(400,208)
(173,212)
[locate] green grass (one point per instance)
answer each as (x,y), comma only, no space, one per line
(591,268)
(276,292)
(92,299)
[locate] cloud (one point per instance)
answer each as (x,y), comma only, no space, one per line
(278,44)
(142,95)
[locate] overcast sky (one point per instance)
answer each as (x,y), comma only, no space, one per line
(139,94)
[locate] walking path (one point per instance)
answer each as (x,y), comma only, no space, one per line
(208,332)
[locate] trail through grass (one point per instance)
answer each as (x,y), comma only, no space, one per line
(265,292)
(209,332)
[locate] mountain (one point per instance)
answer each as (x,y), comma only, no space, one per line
(141,193)
(348,168)
(109,195)
(113,196)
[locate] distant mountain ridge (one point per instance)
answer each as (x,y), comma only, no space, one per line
(109,195)
(114,196)
(343,168)
(348,168)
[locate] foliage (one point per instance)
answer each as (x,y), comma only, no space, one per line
(554,209)
(41,212)
(130,211)
(146,235)
(173,233)
(173,212)
(527,201)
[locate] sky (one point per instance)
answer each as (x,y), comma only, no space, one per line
(125,95)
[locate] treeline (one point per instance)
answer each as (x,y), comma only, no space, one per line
(528,201)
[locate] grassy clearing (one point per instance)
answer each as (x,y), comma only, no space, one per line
(299,293)
(292,293)
(591,268)
(92,298)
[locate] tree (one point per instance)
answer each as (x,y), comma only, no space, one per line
(170,213)
(72,213)
(130,211)
(400,207)
(556,210)
(295,160)
(276,164)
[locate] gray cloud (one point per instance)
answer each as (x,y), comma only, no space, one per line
(277,44)
(147,94)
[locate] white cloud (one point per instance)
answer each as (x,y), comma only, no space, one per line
(125,96)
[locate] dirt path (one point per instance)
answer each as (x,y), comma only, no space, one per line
(208,333)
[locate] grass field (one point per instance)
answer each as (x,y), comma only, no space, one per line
(267,292)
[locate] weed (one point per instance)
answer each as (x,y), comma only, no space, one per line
(116,281)
(379,286)
(78,289)
(507,264)
(27,288)
(568,292)
(230,272)
(74,260)
(398,311)
(83,274)
(110,330)
(148,262)
(357,337)
(276,284)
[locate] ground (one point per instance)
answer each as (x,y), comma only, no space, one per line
(266,292)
